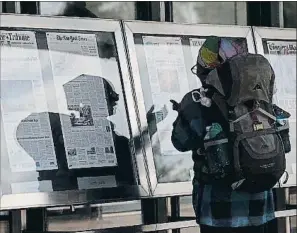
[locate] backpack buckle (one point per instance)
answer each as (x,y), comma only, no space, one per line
(258,126)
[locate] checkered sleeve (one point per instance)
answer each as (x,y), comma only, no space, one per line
(223,207)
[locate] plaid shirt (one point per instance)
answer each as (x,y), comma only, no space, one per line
(215,205)
(222,207)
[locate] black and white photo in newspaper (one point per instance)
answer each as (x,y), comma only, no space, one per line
(29,140)
(82,101)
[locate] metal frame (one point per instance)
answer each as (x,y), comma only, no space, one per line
(165,226)
(154,28)
(261,33)
(62,198)
(281,14)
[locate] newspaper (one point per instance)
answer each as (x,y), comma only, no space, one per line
(73,54)
(282,56)
(82,101)
(168,80)
(28,136)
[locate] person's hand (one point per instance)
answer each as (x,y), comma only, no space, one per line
(175,105)
(150,114)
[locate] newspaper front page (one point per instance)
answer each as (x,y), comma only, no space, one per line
(82,100)
(168,80)
(282,56)
(28,136)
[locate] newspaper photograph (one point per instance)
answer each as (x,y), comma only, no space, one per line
(88,137)
(168,80)
(282,57)
(28,137)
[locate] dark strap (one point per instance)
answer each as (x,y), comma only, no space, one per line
(221,103)
(200,196)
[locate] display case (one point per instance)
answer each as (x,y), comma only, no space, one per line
(161,56)
(279,47)
(69,132)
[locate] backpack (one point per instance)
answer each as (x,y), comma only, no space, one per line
(249,153)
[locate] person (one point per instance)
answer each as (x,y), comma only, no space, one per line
(218,208)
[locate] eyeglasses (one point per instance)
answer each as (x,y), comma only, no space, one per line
(202,71)
(194,69)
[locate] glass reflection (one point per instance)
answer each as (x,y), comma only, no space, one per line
(63,114)
(228,13)
(109,10)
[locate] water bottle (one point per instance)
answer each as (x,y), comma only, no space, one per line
(215,129)
(282,120)
(216,151)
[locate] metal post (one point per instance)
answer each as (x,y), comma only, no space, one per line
(281,14)
(175,211)
(154,211)
(168,11)
(287,201)
(280,204)
(17,7)
(36,220)
(162,11)
(15,221)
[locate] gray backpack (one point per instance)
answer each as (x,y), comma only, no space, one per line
(242,91)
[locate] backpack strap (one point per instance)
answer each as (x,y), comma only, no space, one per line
(200,198)
(253,116)
(221,103)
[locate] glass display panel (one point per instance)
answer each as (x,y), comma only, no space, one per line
(64,122)
(164,64)
(282,56)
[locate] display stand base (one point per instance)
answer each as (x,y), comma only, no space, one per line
(154,211)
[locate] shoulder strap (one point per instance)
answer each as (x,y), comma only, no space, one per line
(221,103)
(199,204)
